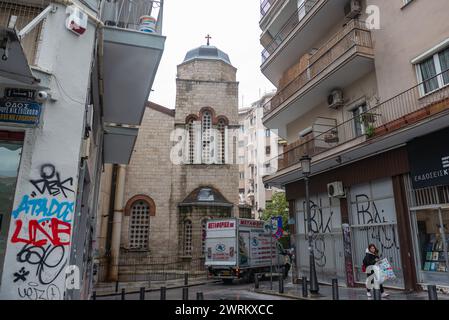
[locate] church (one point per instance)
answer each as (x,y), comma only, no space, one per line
(183,171)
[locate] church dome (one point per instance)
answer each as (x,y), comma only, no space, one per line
(207,52)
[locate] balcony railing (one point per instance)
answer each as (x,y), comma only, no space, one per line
(127,14)
(353,34)
(288,27)
(265,6)
(405,109)
(24,15)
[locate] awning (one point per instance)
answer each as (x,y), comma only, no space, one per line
(119,144)
(14,64)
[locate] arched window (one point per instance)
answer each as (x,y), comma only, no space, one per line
(191,150)
(187,238)
(206,126)
(203,236)
(221,128)
(139,225)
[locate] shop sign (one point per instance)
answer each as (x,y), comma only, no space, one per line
(429,160)
(20,111)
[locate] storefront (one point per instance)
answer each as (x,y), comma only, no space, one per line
(328,238)
(427,188)
(372,216)
(10,153)
(373,210)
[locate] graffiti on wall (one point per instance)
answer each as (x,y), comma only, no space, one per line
(368,213)
(41,234)
(321,224)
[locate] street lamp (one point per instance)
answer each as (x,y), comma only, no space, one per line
(305,165)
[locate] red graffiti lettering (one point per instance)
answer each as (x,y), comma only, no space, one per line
(36,231)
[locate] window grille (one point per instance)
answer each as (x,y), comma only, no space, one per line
(140,225)
(188,238)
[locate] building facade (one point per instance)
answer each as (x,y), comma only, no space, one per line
(57,125)
(257,147)
(364,102)
(182,172)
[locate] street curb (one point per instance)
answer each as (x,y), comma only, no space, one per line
(158,289)
(281,295)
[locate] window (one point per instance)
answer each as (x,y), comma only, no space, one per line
(434,72)
(187,238)
(203,236)
(190,130)
(358,125)
(242,175)
(267,150)
(139,225)
(206,136)
(267,133)
(241,144)
(221,142)
(10,154)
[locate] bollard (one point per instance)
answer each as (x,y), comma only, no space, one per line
(199,296)
(281,283)
(433,295)
(123,294)
(185,293)
(94,295)
(256,281)
(335,289)
(116,286)
(142,293)
(186,279)
(163,293)
(377,294)
(304,287)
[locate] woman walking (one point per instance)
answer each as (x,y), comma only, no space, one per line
(371,258)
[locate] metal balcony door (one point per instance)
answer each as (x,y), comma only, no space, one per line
(373,220)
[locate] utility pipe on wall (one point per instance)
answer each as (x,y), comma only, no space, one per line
(117,223)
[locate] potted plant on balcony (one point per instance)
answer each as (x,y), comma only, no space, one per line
(368,118)
(331,137)
(369,131)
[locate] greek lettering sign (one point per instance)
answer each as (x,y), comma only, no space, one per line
(21,112)
(429,160)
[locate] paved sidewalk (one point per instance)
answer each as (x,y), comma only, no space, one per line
(295,291)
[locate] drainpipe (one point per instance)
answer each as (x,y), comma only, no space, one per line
(117,223)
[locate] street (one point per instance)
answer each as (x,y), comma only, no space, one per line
(211,291)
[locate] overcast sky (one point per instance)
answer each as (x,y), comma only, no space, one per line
(234,28)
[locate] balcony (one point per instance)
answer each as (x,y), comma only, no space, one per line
(131,55)
(132,50)
(346,57)
(285,39)
(382,127)
(266,5)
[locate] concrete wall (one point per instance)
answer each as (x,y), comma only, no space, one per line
(52,148)
(406,32)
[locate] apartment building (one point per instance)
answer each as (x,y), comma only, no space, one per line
(65,110)
(257,152)
(362,88)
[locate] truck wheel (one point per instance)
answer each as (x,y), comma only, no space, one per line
(227,281)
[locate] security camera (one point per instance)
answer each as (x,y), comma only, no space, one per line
(42,95)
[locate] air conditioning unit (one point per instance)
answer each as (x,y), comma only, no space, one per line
(353,9)
(335,99)
(336,190)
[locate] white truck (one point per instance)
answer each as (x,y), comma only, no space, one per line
(240,248)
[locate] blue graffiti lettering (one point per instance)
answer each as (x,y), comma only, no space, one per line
(44,208)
